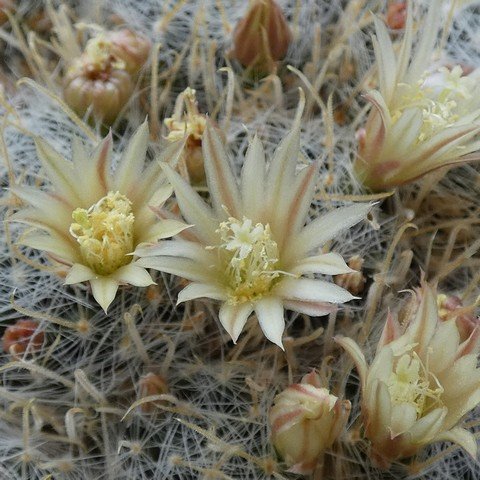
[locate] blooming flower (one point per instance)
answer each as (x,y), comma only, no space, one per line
(420,384)
(94,219)
(420,120)
(250,250)
(306,419)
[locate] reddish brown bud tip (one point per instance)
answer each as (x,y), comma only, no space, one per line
(22,334)
(262,37)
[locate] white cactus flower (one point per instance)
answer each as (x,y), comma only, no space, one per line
(421,119)
(250,249)
(93,219)
(420,384)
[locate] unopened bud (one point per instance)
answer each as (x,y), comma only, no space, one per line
(452,307)
(151,384)
(98,81)
(353,282)
(397,15)
(305,421)
(130,47)
(262,37)
(189,125)
(21,335)
(4,6)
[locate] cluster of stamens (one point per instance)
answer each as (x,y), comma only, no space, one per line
(411,383)
(250,256)
(105,233)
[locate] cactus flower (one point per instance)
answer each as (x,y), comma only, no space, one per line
(420,120)
(420,384)
(93,218)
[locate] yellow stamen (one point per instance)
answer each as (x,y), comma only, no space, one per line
(250,256)
(105,233)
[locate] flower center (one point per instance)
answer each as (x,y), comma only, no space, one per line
(98,56)
(105,233)
(440,96)
(412,383)
(250,259)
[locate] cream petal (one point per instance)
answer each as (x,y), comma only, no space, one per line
(423,325)
(404,416)
(253,180)
(390,332)
(176,248)
(314,309)
(165,228)
(131,164)
(79,273)
(312,291)
(406,48)
(220,178)
(193,208)
(326,264)
(52,243)
(380,413)
(182,267)
(327,227)
(59,171)
(269,312)
(424,49)
(282,168)
(234,317)
(290,214)
(443,346)
(200,290)
(382,366)
(385,57)
(101,159)
(425,429)
(85,169)
(461,437)
(104,290)
(153,176)
(133,274)
(357,356)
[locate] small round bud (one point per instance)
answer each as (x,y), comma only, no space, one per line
(98,80)
(262,37)
(353,282)
(397,15)
(452,307)
(130,47)
(22,334)
(4,6)
(305,421)
(151,384)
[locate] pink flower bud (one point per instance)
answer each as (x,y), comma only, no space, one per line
(305,421)
(262,37)
(397,15)
(130,47)
(22,334)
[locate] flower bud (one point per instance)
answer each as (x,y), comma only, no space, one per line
(151,384)
(98,80)
(397,15)
(130,47)
(4,6)
(452,307)
(305,421)
(188,125)
(21,335)
(262,37)
(353,282)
